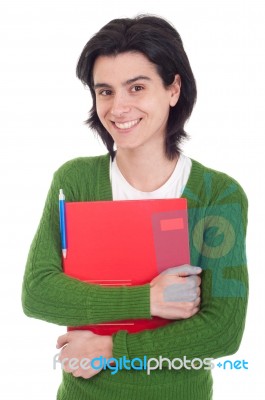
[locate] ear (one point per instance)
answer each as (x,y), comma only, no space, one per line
(175,91)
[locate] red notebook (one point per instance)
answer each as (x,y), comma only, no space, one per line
(125,242)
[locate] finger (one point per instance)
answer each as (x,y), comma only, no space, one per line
(62,340)
(179,293)
(195,310)
(197,302)
(62,355)
(183,270)
(77,372)
(191,281)
(67,368)
(184,282)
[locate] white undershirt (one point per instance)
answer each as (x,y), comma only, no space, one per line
(173,188)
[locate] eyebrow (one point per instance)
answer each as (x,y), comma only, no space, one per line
(128,82)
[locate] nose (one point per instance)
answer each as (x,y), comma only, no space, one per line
(120,104)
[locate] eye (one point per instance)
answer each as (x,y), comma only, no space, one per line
(105,92)
(137,88)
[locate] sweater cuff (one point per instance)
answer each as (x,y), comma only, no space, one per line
(120,345)
(123,343)
(119,303)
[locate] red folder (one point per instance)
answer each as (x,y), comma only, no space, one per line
(125,242)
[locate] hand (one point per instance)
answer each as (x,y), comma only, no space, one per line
(175,293)
(83,345)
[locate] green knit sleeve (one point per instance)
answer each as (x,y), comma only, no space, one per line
(50,295)
(217,238)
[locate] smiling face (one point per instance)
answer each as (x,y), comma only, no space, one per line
(132,102)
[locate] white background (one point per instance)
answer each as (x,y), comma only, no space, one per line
(43,106)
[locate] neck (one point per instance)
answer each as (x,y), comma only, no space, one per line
(145,172)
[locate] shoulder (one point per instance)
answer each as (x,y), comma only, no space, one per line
(216,185)
(83,165)
(81,177)
(217,194)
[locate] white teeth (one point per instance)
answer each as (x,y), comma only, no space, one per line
(127,125)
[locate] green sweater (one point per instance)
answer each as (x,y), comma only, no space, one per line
(217,228)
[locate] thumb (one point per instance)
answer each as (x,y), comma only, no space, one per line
(62,340)
(183,270)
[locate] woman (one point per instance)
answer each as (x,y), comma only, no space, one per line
(143,92)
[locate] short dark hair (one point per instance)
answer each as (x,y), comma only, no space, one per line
(159,41)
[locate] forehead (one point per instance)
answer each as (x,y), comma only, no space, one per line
(122,67)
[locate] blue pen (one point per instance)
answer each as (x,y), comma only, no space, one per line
(62,222)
